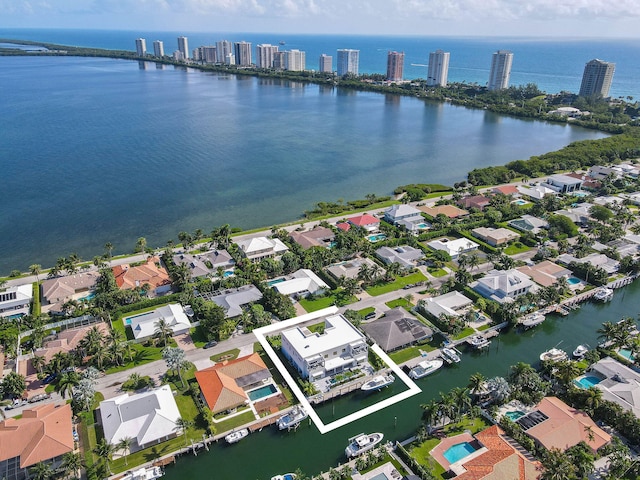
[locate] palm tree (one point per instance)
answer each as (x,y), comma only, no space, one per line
(115,346)
(108,248)
(38,362)
(557,466)
(163,331)
(67,382)
(461,400)
(565,372)
(36,269)
(105,451)
(176,360)
(183,425)
(430,414)
(92,341)
(477,384)
(592,399)
(71,464)
(125,445)
(41,471)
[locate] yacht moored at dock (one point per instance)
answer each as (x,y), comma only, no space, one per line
(450,355)
(236,436)
(580,351)
(425,368)
(286,476)
(149,473)
(292,418)
(362,443)
(553,355)
(378,382)
(478,341)
(603,294)
(532,320)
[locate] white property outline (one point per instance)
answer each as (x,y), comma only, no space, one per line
(261,334)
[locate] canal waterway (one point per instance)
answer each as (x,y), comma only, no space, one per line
(269,452)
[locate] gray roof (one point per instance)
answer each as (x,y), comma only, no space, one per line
(403,254)
(232,300)
(396,329)
(197,263)
(620,385)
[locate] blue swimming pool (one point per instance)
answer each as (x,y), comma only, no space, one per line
(227,273)
(626,353)
(587,382)
(261,392)
(422,225)
(127,321)
(519,202)
(88,297)
(573,280)
(514,415)
(458,452)
(271,283)
(377,237)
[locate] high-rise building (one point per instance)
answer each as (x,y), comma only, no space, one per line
(223,49)
(597,77)
(500,70)
(280,60)
(348,61)
(183,47)
(295,60)
(325,63)
(438,68)
(242,51)
(230,59)
(395,66)
(141,47)
(158,48)
(264,55)
(209,54)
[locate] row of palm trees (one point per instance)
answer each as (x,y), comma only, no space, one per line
(69,468)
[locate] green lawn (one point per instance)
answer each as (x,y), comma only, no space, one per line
(228,355)
(484,327)
(437,272)
(198,337)
(324,302)
(464,333)
(408,353)
(141,355)
(515,248)
(397,284)
(399,302)
(234,422)
(366,311)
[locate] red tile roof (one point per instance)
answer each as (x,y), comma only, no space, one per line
(506,189)
(218,383)
(43,432)
(151,272)
(362,220)
(343,226)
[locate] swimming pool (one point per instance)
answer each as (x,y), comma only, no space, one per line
(626,353)
(127,320)
(458,452)
(262,392)
(573,280)
(514,415)
(380,476)
(376,237)
(88,297)
(271,283)
(519,202)
(422,226)
(587,382)
(227,273)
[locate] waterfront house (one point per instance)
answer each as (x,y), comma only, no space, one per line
(619,383)
(205,264)
(499,457)
(300,284)
(404,255)
(233,299)
(15,301)
(224,386)
(503,285)
(479,202)
(350,268)
(564,183)
(366,221)
(148,417)
(43,435)
(450,211)
(317,237)
(396,329)
(554,424)
(529,223)
(508,190)
(57,291)
(588,183)
(609,265)
(257,248)
(495,236)
(545,273)
(340,346)
(453,247)
(406,216)
(536,192)
(144,324)
(452,304)
(150,274)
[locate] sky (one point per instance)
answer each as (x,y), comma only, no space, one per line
(532,18)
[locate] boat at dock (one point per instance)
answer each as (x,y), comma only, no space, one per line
(378,382)
(603,294)
(553,355)
(478,341)
(148,473)
(580,351)
(292,418)
(362,443)
(236,436)
(425,368)
(286,476)
(532,320)
(450,355)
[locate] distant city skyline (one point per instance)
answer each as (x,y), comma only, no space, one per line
(534,18)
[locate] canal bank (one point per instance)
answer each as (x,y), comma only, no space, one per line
(266,453)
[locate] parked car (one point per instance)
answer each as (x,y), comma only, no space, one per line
(39,397)
(210,344)
(49,378)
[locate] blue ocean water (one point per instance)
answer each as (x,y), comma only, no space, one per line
(554,64)
(101,150)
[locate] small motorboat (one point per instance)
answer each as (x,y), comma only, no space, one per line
(603,294)
(378,382)
(236,436)
(362,443)
(425,368)
(580,351)
(292,418)
(532,320)
(478,341)
(149,473)
(450,355)
(553,355)
(286,476)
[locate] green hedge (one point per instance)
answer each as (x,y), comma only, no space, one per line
(36,307)
(149,302)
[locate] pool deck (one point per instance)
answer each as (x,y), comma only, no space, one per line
(387,469)
(437,452)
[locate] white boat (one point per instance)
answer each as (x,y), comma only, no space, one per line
(148,473)
(425,368)
(378,382)
(450,355)
(580,351)
(292,418)
(603,294)
(286,476)
(532,320)
(362,443)
(553,355)
(478,341)
(236,436)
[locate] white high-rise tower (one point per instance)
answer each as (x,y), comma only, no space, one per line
(438,69)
